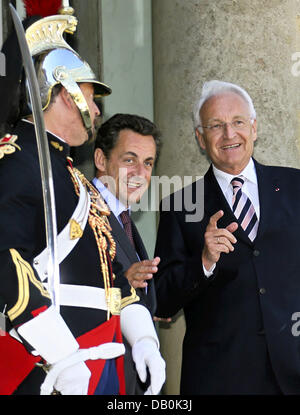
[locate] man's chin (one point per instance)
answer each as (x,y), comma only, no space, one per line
(130,199)
(133,200)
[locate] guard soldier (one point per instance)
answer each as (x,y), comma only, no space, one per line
(79,347)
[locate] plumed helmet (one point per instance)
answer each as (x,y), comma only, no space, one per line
(57,63)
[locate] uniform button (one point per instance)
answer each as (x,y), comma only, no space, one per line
(262,290)
(256,252)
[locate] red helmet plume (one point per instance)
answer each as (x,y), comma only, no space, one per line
(42,8)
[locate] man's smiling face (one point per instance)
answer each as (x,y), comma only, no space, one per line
(229,149)
(130,165)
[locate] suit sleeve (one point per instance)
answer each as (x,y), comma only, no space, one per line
(20,223)
(180,277)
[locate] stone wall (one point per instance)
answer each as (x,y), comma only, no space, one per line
(249,43)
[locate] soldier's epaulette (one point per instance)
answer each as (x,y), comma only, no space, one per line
(8,145)
(96,198)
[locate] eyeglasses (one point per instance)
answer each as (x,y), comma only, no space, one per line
(217,128)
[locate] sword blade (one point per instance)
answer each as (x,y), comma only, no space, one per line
(44,160)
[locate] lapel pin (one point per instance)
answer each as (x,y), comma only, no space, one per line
(277,189)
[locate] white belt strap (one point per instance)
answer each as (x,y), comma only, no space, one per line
(82,296)
(76,296)
(64,242)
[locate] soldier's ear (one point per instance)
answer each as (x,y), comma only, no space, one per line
(100,161)
(66,98)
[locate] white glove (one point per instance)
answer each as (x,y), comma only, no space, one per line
(73,380)
(70,376)
(145,354)
(67,374)
(138,328)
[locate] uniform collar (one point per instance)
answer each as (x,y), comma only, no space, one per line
(55,141)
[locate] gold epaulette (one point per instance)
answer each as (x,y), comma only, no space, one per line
(96,199)
(8,145)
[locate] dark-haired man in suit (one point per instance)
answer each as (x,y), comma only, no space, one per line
(126,149)
(235,272)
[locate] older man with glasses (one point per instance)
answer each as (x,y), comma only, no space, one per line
(235,272)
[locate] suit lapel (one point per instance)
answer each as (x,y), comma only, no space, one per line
(215,200)
(268,185)
(140,247)
(141,250)
(124,244)
(122,238)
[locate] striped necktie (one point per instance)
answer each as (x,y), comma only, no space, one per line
(126,220)
(243,209)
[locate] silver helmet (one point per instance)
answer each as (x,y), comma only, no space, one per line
(57,63)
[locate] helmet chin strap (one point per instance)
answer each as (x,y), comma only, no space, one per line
(63,77)
(91,137)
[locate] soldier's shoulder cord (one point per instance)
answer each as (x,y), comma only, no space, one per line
(8,145)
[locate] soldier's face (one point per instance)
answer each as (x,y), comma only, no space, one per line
(88,93)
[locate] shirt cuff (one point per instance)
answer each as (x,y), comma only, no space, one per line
(209,272)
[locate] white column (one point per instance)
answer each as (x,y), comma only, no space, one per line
(127,69)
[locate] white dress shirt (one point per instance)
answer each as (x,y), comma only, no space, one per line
(114,204)
(250,187)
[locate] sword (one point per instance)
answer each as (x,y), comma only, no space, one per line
(44,160)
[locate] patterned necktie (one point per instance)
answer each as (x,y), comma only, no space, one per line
(243,209)
(126,220)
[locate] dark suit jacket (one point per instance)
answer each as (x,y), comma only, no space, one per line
(238,336)
(126,255)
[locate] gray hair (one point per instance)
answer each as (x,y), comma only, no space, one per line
(212,88)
